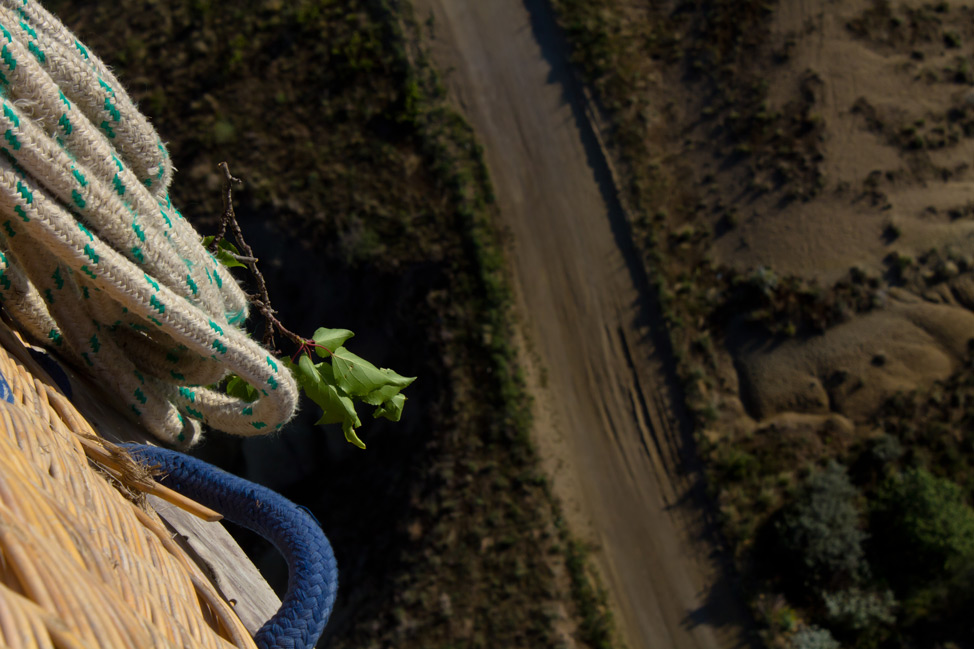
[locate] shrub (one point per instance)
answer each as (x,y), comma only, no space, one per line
(765,280)
(821,528)
(887,449)
(813,637)
(735,464)
(857,610)
(927,528)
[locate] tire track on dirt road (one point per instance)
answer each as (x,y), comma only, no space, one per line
(606,424)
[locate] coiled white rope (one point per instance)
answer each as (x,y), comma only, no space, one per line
(96,261)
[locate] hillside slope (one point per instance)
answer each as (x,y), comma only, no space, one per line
(801,182)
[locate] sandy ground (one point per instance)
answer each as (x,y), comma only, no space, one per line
(605,420)
(901,75)
(893,95)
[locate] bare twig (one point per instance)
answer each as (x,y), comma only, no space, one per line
(241,258)
(262,300)
(228,215)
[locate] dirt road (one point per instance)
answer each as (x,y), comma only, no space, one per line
(605,422)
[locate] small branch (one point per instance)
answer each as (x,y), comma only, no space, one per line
(228,215)
(242,259)
(262,301)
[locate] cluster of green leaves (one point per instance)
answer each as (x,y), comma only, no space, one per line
(337,382)
(342,378)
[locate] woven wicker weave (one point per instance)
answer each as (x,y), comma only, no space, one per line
(81,565)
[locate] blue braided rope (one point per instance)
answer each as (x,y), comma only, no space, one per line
(5,392)
(313,581)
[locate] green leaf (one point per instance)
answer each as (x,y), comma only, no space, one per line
(350,436)
(331,339)
(383,394)
(304,372)
(336,406)
(237,387)
(391,409)
(360,378)
(337,385)
(224,253)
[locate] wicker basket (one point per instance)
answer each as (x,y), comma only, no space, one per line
(81,565)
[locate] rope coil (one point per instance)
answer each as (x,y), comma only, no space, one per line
(312,569)
(94,258)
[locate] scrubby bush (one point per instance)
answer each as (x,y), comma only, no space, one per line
(821,531)
(813,637)
(886,449)
(856,610)
(926,526)
(765,280)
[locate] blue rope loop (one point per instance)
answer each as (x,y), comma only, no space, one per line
(313,572)
(6,394)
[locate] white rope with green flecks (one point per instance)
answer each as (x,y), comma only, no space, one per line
(96,261)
